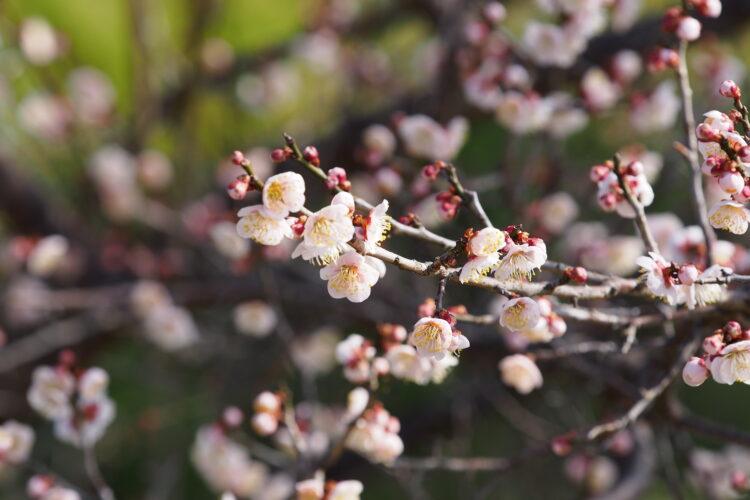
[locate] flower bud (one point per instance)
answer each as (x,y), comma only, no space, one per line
(730,89)
(713,344)
(577,274)
(732,329)
(710,164)
(311,154)
(743,195)
(695,372)
(562,445)
(264,423)
(238,158)
(744,154)
(430,172)
(739,481)
(267,402)
(336,178)
(38,486)
(232,417)
(380,366)
(278,156)
(688,28)
(634,168)
(608,202)
(239,187)
(708,8)
(671,19)
(731,182)
(598,173)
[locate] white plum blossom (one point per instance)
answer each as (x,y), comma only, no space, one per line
(730,216)
(483,249)
(551,45)
(600,92)
(326,234)
(379,138)
(50,392)
(733,364)
(406,364)
(47,255)
(255,318)
(283,193)
(521,373)
(88,424)
(377,224)
(92,384)
(16,442)
(172,328)
(355,353)
(656,112)
(659,279)
(520,261)
(433,337)
(226,240)
(39,42)
(147,296)
(375,436)
(523,113)
(352,276)
(520,314)
(425,138)
(557,211)
(260,226)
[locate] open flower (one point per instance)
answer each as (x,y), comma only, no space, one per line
(325,236)
(733,365)
(712,293)
(432,337)
(16,441)
(377,224)
(425,138)
(483,254)
(520,372)
(730,216)
(260,226)
(50,392)
(520,314)
(283,193)
(521,260)
(351,277)
(659,279)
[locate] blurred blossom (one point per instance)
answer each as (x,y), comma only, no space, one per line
(375,436)
(389,182)
(625,13)
(424,138)
(320,51)
(656,112)
(711,471)
(26,301)
(226,240)
(39,42)
(566,118)
(523,113)
(154,169)
(47,256)
(600,92)
(93,96)
(171,328)
(626,66)
(16,442)
(557,211)
(715,65)
(316,353)
(46,116)
(652,161)
(255,318)
(552,45)
(147,296)
(226,465)
(113,171)
(217,56)
(521,373)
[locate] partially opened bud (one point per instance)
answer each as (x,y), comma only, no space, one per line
(730,89)
(688,274)
(239,187)
(695,372)
(732,329)
(688,28)
(706,133)
(311,154)
(713,344)
(598,173)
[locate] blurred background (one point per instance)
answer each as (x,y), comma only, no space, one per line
(118,120)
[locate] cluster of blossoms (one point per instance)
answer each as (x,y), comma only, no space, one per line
(16,442)
(726,357)
(167,325)
(405,362)
(74,399)
(45,488)
(676,20)
(318,488)
(726,154)
(532,319)
(375,435)
(611,185)
(677,284)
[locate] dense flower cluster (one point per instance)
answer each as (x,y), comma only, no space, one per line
(726,358)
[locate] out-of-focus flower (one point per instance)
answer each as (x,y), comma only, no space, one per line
(316,353)
(523,113)
(50,392)
(521,373)
(226,240)
(16,442)
(375,436)
(255,318)
(45,116)
(600,92)
(154,169)
(355,353)
(172,328)
(147,296)
(557,211)
(88,424)
(656,112)
(92,95)
(425,138)
(730,216)
(48,255)
(39,42)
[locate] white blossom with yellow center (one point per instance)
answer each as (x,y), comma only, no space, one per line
(733,365)
(350,277)
(520,314)
(377,223)
(326,234)
(521,261)
(283,193)
(730,216)
(255,223)
(432,337)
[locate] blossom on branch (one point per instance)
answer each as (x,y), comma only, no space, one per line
(351,277)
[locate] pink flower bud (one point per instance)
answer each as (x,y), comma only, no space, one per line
(380,366)
(577,274)
(713,344)
(232,416)
(743,195)
(671,19)
(430,172)
(695,372)
(608,202)
(278,156)
(744,154)
(710,164)
(688,28)
(598,173)
(561,445)
(393,426)
(708,8)
(732,329)
(238,188)
(264,424)
(557,325)
(494,12)
(39,485)
(238,158)
(730,89)
(739,481)
(705,133)
(731,182)
(311,154)
(475,32)
(688,274)
(267,402)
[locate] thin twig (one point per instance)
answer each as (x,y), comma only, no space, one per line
(640,214)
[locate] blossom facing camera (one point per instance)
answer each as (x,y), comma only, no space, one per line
(432,337)
(260,226)
(283,193)
(521,373)
(352,276)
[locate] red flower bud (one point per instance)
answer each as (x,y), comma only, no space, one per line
(730,89)
(238,158)
(311,154)
(278,156)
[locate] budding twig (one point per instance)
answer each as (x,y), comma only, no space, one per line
(640,213)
